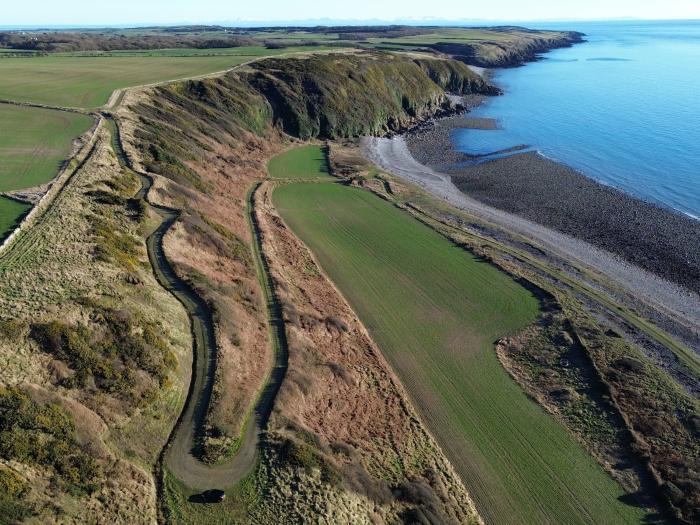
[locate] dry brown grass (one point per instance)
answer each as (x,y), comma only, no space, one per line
(55,276)
(340,395)
(210,248)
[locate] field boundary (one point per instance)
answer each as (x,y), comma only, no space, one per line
(72,166)
(37,105)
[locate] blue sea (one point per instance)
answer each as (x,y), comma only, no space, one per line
(623,108)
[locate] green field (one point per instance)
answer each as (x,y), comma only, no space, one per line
(436,311)
(300,163)
(248,51)
(88,81)
(34,142)
(10,212)
(455,35)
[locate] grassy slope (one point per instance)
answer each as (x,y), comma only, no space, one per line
(435,311)
(10,212)
(297,163)
(34,142)
(88,81)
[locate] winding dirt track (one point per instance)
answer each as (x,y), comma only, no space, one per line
(179,456)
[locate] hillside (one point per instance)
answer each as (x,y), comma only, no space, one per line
(307,379)
(211,139)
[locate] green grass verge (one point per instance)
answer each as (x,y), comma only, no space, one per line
(34,142)
(11,211)
(183,507)
(88,81)
(435,311)
(300,163)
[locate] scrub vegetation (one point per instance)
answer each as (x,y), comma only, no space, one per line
(93,352)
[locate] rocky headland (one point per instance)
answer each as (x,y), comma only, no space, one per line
(511,53)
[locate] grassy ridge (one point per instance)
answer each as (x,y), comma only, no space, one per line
(88,81)
(299,163)
(357,94)
(34,142)
(435,311)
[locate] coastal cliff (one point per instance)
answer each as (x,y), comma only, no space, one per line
(359,94)
(493,54)
(322,96)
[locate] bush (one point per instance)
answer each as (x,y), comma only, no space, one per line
(109,353)
(41,434)
(11,329)
(13,491)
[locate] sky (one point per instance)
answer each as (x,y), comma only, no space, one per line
(140,12)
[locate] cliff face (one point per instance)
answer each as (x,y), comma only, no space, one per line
(357,94)
(324,96)
(508,53)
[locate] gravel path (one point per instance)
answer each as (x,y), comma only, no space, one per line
(393,156)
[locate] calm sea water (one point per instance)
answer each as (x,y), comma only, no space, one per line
(624,108)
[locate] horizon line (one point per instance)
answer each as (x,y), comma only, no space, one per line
(330,22)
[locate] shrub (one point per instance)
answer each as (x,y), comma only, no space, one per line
(42,434)
(11,329)
(13,491)
(109,353)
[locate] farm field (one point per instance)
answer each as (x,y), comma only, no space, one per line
(297,163)
(10,212)
(456,35)
(249,51)
(436,311)
(34,142)
(88,81)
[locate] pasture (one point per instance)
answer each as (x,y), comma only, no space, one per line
(88,81)
(299,163)
(34,142)
(247,51)
(10,213)
(435,311)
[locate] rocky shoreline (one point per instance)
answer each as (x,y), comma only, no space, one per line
(531,186)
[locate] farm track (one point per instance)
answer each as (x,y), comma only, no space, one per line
(179,456)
